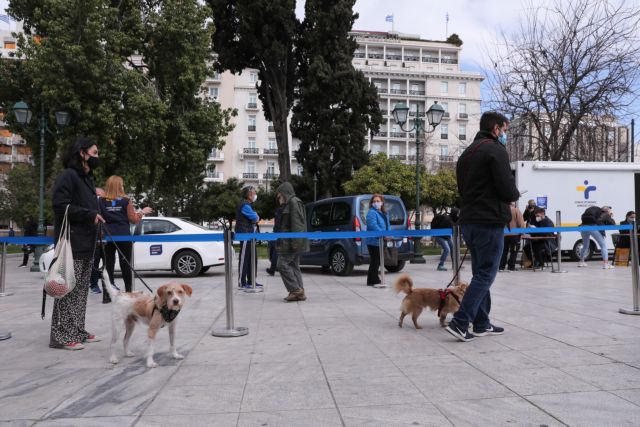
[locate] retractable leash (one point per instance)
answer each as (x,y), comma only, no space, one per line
(459,267)
(122,257)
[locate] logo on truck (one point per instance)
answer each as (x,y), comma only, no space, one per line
(586,189)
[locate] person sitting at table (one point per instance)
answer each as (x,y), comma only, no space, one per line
(624,241)
(542,244)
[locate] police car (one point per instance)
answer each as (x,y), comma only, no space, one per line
(186,259)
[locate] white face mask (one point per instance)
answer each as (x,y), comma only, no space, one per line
(539,218)
(377,205)
(254,198)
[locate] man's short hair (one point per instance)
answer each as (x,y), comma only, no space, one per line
(490,119)
(538,210)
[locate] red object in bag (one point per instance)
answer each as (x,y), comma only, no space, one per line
(56,287)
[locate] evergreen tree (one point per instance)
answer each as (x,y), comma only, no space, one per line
(337,106)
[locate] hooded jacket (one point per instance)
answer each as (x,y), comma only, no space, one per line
(294,219)
(485,182)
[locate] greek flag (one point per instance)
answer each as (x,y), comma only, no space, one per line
(5,18)
(389,18)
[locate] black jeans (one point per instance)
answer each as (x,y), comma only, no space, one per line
(244,264)
(273,256)
(510,250)
(110,254)
(374,264)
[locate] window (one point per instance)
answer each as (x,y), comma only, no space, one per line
(462,109)
(393,207)
(395,86)
(444,131)
(299,170)
(395,128)
(462,132)
(414,88)
(252,142)
(253,103)
(444,87)
(378,85)
(250,167)
(445,105)
(213,92)
(320,216)
(158,226)
(251,120)
(271,144)
(444,150)
(395,150)
(270,127)
(341,214)
(253,77)
(462,89)
(271,168)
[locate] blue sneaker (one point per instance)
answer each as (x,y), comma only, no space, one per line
(95,290)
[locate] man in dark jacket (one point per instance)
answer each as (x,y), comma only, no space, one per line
(543,248)
(486,187)
(294,220)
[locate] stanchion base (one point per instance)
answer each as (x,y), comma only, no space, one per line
(559,271)
(6,294)
(380,286)
(5,336)
(238,331)
(629,311)
(253,290)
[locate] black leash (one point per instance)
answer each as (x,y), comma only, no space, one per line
(459,267)
(122,257)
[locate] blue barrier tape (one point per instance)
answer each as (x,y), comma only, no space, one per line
(318,235)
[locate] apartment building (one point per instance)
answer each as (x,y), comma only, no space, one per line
(406,68)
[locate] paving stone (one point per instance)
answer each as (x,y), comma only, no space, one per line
(307,418)
(394,415)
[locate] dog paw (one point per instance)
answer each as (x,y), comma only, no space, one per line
(152,364)
(129,354)
(114,360)
(178,356)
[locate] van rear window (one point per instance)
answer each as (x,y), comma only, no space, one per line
(393,207)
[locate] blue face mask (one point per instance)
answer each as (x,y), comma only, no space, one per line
(502,139)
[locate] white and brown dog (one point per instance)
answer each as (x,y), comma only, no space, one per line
(154,311)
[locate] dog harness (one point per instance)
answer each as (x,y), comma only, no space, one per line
(167,315)
(443,297)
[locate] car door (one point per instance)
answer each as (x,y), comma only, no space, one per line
(154,255)
(319,221)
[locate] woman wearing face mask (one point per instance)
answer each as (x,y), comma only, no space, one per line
(377,220)
(624,241)
(246,222)
(542,248)
(75,188)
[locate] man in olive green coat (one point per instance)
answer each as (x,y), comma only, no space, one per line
(294,219)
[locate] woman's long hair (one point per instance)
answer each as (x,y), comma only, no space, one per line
(114,188)
(72,157)
(381,197)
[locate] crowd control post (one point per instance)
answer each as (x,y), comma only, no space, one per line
(455,256)
(254,260)
(3,271)
(231,330)
(634,271)
(559,241)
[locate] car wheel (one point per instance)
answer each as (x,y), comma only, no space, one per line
(187,263)
(205,269)
(339,262)
(395,268)
(577,247)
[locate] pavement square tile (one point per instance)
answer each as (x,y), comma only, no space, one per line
(209,420)
(366,391)
(283,396)
(541,381)
(307,418)
(613,376)
(394,416)
(188,400)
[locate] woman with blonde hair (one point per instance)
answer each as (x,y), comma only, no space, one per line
(118,212)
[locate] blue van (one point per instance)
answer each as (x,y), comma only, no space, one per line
(349,213)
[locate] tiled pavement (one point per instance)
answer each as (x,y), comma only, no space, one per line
(567,358)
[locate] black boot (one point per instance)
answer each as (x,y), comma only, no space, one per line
(106,298)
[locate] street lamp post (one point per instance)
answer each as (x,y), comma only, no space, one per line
(23,116)
(434,116)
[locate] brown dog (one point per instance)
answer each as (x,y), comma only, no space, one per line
(444,301)
(155,311)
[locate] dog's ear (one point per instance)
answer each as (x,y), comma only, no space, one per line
(161,291)
(187,288)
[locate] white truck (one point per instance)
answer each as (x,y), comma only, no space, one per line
(571,187)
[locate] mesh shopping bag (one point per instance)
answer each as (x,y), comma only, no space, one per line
(60,278)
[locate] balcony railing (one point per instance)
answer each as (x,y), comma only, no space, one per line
(462,137)
(270,151)
(375,56)
(446,159)
(449,61)
(382,90)
(250,150)
(252,105)
(398,156)
(399,91)
(446,115)
(463,116)
(411,157)
(249,175)
(444,136)
(6,158)
(429,59)
(214,176)
(382,134)
(412,58)
(417,92)
(270,175)
(270,129)
(216,155)
(413,113)
(359,55)
(251,128)
(394,57)
(397,135)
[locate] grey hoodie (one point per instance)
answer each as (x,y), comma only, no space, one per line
(294,219)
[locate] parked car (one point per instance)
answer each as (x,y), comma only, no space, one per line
(186,259)
(349,213)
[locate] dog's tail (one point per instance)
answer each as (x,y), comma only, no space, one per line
(403,284)
(113,292)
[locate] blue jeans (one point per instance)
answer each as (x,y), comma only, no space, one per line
(447,247)
(485,242)
(599,238)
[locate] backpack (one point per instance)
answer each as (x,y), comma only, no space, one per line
(591,216)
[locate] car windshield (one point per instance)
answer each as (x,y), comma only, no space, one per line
(392,206)
(196,225)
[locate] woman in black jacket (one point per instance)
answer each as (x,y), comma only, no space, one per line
(75,187)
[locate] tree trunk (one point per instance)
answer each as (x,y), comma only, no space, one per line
(282,139)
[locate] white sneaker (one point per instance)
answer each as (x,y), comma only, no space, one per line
(608,267)
(582,264)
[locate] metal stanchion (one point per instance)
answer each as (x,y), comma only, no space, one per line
(455,256)
(3,271)
(381,248)
(254,259)
(133,263)
(634,272)
(559,241)
(231,330)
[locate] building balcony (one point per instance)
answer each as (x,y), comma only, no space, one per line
(411,157)
(214,177)
(446,116)
(444,136)
(398,156)
(22,158)
(251,176)
(215,78)
(270,175)
(8,158)
(462,137)
(430,59)
(463,116)
(359,55)
(398,91)
(382,134)
(248,151)
(375,56)
(417,92)
(382,90)
(251,128)
(394,57)
(445,159)
(412,58)
(398,135)
(270,151)
(449,61)
(252,106)
(413,113)
(271,129)
(216,156)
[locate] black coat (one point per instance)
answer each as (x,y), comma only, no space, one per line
(485,182)
(78,190)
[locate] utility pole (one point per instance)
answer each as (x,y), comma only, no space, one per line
(633,142)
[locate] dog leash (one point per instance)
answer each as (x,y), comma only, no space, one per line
(122,257)
(459,267)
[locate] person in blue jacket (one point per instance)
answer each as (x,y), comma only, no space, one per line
(246,221)
(377,220)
